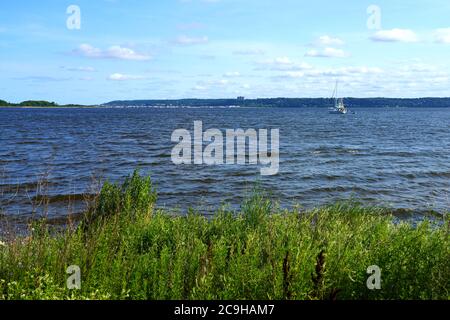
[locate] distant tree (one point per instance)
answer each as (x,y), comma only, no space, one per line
(34,103)
(3,103)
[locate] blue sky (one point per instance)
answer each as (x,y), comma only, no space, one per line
(223,48)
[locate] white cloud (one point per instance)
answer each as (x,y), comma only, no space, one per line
(442,35)
(80,69)
(89,51)
(419,67)
(283,61)
(187,41)
(334,72)
(284,64)
(43,78)
(114,52)
(295,74)
(249,52)
(302,66)
(221,82)
(232,74)
(346,71)
(327,53)
(199,88)
(327,41)
(211,84)
(395,35)
(123,77)
(214,83)
(125,53)
(280,61)
(440,80)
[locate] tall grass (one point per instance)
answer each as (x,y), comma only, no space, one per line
(127,249)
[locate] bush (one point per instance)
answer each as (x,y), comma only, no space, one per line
(127,249)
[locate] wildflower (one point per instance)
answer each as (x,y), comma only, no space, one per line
(2,244)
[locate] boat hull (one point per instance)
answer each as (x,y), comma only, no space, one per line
(337,112)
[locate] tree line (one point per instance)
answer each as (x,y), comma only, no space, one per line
(288,102)
(29,103)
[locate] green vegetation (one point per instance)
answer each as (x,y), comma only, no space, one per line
(29,103)
(33,103)
(127,249)
(38,103)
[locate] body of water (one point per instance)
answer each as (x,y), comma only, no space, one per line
(394,157)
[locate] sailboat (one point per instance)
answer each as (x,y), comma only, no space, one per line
(339,107)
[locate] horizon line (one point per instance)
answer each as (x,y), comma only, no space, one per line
(235,98)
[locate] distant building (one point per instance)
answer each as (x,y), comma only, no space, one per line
(240,98)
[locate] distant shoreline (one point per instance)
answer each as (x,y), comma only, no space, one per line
(48,107)
(30,104)
(285,102)
(242,102)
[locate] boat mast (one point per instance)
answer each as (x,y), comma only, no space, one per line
(336,93)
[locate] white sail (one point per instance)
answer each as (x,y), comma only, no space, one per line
(339,106)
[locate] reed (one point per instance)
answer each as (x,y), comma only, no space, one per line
(128,249)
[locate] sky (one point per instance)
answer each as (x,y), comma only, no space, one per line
(95,51)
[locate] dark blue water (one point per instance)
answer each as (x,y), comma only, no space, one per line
(394,157)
